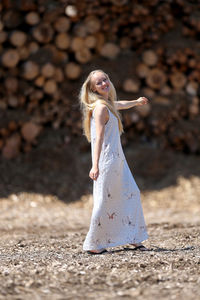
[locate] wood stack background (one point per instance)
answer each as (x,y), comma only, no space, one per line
(48,47)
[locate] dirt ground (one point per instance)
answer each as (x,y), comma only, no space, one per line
(41,253)
(42,229)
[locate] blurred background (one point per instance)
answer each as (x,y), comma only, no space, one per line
(148,48)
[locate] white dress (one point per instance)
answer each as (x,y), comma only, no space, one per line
(117,216)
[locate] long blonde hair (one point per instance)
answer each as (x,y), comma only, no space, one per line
(88,100)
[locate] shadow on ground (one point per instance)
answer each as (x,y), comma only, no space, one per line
(59,169)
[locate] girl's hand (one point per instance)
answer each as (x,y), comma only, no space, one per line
(94,173)
(142,100)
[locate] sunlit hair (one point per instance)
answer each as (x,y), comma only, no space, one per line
(88,100)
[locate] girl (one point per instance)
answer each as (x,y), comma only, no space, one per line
(117,216)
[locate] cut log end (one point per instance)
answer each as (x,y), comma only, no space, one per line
(10,58)
(131,85)
(72,71)
(110,50)
(11,148)
(30,131)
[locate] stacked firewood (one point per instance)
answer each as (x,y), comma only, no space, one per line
(46,45)
(171,81)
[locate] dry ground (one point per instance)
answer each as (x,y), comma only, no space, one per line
(41,253)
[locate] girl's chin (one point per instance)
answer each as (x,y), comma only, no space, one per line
(106,91)
(105,94)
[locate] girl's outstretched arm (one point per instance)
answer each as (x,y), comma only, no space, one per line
(125,104)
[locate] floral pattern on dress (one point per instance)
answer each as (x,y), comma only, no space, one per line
(111,216)
(127,221)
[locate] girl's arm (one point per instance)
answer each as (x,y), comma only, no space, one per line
(101,117)
(125,104)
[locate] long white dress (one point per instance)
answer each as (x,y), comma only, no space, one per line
(117,216)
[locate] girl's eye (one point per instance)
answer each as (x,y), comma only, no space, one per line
(104,80)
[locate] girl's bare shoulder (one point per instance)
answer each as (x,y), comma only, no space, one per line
(101,109)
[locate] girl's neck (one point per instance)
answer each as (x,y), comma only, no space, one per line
(105,97)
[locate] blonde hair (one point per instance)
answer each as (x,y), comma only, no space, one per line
(88,99)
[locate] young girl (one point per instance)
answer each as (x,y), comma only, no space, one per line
(117,216)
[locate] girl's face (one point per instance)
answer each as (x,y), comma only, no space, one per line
(100,84)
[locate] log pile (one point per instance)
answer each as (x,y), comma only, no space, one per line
(45,46)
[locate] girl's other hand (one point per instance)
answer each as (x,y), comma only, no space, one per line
(94,173)
(142,100)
